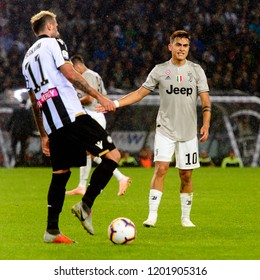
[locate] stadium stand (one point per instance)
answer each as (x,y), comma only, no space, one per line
(122,40)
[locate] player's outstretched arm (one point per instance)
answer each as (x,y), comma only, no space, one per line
(131,98)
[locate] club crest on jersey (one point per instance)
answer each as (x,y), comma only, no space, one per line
(179,78)
(168,72)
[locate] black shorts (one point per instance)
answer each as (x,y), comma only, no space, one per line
(68,145)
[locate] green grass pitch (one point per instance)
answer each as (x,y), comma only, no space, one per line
(226,210)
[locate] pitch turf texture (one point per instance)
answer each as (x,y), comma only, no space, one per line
(225,211)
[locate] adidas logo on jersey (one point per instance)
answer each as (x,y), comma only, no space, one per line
(99,144)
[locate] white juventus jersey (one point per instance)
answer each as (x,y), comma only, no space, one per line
(56,96)
(96,82)
(179,88)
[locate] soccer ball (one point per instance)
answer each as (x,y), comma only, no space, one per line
(121,231)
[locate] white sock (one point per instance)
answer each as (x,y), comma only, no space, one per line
(118,174)
(154,202)
(186,203)
(84,172)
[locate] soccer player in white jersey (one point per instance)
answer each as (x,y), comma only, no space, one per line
(89,105)
(180,83)
(67,132)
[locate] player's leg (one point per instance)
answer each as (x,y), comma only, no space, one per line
(83,176)
(186,196)
(187,159)
(164,149)
(98,143)
(123,180)
(101,176)
(55,200)
(156,191)
(63,154)
(99,179)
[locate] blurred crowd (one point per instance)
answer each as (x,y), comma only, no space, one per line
(123,40)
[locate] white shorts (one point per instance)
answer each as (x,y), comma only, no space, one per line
(186,152)
(99,117)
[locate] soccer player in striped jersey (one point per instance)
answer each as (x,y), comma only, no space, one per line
(180,83)
(67,132)
(89,105)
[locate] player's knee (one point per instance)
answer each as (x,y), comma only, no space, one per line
(161,170)
(114,155)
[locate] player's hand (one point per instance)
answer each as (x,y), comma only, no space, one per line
(45,146)
(204,134)
(108,104)
(99,108)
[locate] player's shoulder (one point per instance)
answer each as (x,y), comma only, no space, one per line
(59,41)
(91,72)
(51,42)
(162,65)
(193,64)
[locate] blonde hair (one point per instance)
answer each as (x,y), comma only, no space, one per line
(39,20)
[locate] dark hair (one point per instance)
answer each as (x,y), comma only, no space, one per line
(77,58)
(180,34)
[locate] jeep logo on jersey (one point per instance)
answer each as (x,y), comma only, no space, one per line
(177,90)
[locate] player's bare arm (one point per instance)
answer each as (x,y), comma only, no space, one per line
(128,99)
(81,83)
(133,97)
(206,113)
(39,122)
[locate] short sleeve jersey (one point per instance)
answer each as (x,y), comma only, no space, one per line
(96,82)
(56,96)
(179,88)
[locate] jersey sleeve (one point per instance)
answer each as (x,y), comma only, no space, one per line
(152,80)
(202,83)
(60,53)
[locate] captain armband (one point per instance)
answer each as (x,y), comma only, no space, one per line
(206,109)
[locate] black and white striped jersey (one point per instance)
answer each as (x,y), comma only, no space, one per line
(56,96)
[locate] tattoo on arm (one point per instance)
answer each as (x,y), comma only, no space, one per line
(79,85)
(206,109)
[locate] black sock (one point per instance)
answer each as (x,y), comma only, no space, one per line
(99,179)
(56,197)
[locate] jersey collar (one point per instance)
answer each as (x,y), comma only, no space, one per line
(43,36)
